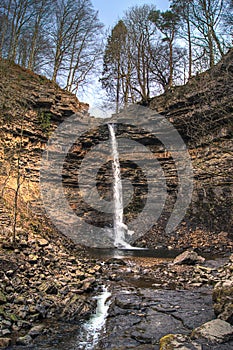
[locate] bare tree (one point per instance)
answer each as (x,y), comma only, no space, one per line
(183,10)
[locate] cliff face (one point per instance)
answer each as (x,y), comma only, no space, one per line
(202,112)
(31,108)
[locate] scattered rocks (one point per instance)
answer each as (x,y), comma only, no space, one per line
(188,258)
(215,331)
(41,280)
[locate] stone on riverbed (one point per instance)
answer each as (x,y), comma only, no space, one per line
(215,331)
(178,341)
(188,257)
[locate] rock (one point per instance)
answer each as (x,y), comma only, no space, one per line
(2,298)
(178,341)
(33,259)
(223,300)
(43,242)
(25,340)
(36,330)
(215,331)
(51,289)
(116,261)
(188,258)
(88,284)
(6,332)
(5,342)
(20,300)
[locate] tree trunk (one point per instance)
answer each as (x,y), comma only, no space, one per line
(190,49)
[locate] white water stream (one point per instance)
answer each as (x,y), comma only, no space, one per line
(96,323)
(119,227)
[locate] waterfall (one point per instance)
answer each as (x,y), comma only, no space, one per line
(120,229)
(97,322)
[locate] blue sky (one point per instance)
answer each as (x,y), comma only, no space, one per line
(112,10)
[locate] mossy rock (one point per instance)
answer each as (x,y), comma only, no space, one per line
(165,342)
(13,317)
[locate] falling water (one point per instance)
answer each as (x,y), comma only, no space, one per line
(97,322)
(119,227)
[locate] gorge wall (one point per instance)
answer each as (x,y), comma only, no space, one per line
(202,112)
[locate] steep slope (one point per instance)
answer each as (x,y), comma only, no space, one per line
(42,274)
(202,111)
(31,107)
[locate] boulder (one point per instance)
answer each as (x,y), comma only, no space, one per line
(215,331)
(188,257)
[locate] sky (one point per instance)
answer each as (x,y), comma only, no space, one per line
(110,11)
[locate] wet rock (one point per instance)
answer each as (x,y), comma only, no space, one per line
(116,261)
(188,258)
(4,342)
(215,331)
(178,341)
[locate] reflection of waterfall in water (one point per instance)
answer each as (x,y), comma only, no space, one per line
(119,227)
(97,321)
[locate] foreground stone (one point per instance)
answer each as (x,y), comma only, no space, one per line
(178,341)
(4,342)
(215,331)
(25,340)
(223,293)
(188,258)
